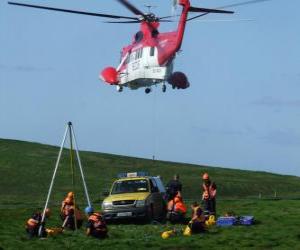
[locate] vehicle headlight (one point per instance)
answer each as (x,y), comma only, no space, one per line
(106,205)
(140,203)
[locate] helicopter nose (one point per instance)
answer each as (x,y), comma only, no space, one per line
(109,75)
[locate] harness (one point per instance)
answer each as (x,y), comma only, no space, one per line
(32,223)
(67,209)
(200,217)
(97,222)
(208,190)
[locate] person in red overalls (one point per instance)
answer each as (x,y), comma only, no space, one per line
(209,190)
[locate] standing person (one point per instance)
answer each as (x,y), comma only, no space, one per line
(209,189)
(69,213)
(96,226)
(34,222)
(174,187)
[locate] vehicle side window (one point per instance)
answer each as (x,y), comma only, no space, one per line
(153,186)
(152,50)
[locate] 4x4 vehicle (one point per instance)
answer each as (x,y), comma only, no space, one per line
(135,195)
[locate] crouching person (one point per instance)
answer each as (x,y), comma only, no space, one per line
(176,210)
(96,226)
(197,223)
(34,223)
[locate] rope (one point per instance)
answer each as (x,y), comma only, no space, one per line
(72,171)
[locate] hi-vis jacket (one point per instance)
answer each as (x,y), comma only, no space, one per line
(209,191)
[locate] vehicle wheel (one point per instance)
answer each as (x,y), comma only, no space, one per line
(119,88)
(147,90)
(164,88)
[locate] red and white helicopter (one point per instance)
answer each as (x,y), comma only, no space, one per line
(148,60)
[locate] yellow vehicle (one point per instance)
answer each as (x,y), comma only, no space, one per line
(135,196)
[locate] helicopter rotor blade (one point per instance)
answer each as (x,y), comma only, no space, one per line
(164,17)
(132,8)
(205,10)
(243,3)
(229,6)
(164,21)
(121,21)
(73,11)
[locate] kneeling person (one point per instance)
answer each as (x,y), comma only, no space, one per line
(34,223)
(96,226)
(176,210)
(197,223)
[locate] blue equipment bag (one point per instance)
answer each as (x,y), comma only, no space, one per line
(246,220)
(226,221)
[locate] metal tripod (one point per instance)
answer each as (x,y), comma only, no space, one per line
(69,130)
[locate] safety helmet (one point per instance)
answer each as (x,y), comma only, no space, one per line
(70,195)
(177,199)
(168,234)
(205,176)
(89,210)
(165,235)
(68,201)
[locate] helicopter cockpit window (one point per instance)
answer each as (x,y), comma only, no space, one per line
(139,53)
(152,50)
(127,60)
(139,36)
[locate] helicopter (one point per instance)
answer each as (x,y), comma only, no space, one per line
(149,59)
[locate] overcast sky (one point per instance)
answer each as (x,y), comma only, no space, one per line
(241,111)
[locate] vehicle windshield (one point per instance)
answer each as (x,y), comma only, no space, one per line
(130,186)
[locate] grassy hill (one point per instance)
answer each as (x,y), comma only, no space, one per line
(25,174)
(26,170)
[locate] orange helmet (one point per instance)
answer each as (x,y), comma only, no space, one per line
(205,176)
(68,201)
(70,195)
(177,199)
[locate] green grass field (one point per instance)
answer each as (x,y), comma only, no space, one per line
(26,170)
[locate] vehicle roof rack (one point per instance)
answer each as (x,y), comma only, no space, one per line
(133,174)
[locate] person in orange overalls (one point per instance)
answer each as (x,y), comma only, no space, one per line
(96,225)
(34,222)
(209,190)
(176,210)
(69,213)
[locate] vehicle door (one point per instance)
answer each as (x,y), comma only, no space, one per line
(156,198)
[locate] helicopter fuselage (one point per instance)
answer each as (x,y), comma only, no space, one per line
(148,60)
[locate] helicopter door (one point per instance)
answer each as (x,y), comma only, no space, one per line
(134,68)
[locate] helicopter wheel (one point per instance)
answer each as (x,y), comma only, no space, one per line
(164,88)
(119,88)
(147,90)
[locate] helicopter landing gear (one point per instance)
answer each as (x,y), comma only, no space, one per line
(147,90)
(119,88)
(164,88)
